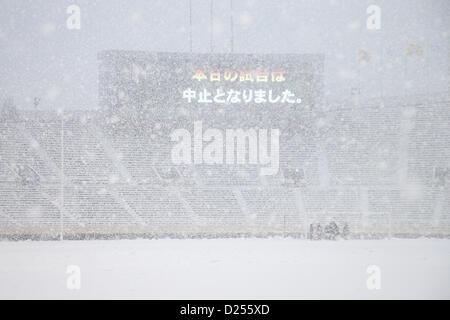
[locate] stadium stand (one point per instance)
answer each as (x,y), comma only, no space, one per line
(382,168)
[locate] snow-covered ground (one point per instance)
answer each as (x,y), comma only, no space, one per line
(226,269)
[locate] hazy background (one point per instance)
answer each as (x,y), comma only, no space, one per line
(40,57)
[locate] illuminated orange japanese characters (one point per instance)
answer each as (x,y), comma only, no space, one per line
(278,76)
(262,76)
(230,75)
(214,76)
(239,75)
(245,76)
(199,75)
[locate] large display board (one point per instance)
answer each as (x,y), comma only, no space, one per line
(246,94)
(164,82)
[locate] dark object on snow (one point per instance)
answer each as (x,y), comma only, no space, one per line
(331,231)
(345,231)
(315,231)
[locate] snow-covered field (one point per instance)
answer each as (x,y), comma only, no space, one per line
(226,269)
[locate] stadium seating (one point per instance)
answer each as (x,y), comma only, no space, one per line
(380,168)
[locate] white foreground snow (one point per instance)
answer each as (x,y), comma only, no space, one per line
(225,269)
